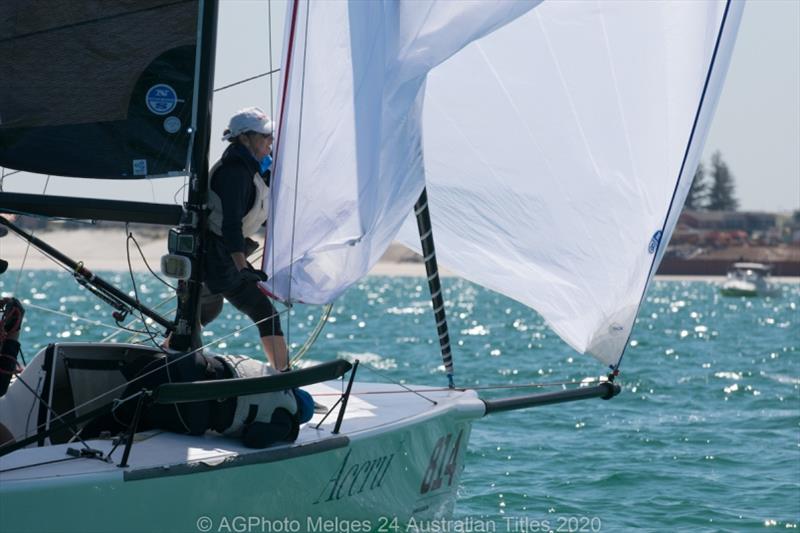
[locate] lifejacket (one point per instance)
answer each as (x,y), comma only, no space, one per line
(255,408)
(252,220)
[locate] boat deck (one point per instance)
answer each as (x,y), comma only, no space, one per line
(372,407)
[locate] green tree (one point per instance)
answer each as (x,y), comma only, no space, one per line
(698,194)
(721,194)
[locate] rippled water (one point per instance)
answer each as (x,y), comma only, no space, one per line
(704,437)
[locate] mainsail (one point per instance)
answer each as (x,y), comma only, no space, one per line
(97,89)
(557,141)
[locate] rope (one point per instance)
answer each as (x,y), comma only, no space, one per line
(144,259)
(312,338)
(28,247)
(40,464)
(251,78)
(136,292)
(75,434)
(407,389)
(461,389)
(168,363)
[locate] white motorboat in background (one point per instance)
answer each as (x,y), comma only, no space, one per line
(748,279)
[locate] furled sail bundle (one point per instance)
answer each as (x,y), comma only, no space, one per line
(557,142)
(97,89)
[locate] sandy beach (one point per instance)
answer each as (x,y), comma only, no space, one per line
(105,249)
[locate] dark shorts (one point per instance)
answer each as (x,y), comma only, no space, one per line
(247,298)
(222,279)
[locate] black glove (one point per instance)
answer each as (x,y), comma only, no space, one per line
(249,274)
(250,246)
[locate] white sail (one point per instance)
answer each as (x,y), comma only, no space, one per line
(558,150)
(349,163)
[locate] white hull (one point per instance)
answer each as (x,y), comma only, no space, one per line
(747,288)
(397,455)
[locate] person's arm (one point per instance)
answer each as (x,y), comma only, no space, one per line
(233,199)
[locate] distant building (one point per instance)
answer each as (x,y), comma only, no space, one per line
(748,221)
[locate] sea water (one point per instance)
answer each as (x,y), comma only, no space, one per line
(705,435)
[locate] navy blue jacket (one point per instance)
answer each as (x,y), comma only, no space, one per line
(233,183)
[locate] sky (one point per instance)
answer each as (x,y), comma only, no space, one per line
(756,126)
(757,123)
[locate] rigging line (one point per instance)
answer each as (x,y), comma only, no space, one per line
(6,174)
(273,151)
(251,78)
(41,464)
(30,411)
(462,389)
(144,259)
(136,292)
(167,364)
(312,338)
(75,434)
(180,190)
(28,246)
(46,255)
(409,389)
(73,316)
(135,319)
(678,180)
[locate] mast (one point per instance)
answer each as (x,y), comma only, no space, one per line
(434,284)
(195,224)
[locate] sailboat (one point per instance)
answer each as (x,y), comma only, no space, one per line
(549,146)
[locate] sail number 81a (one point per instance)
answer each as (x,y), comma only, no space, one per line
(442,463)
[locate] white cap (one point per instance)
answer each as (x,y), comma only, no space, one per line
(248,119)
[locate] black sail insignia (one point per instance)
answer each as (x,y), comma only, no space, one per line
(97,88)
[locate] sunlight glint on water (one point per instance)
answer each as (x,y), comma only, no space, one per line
(703,437)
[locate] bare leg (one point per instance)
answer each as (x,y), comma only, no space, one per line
(277,353)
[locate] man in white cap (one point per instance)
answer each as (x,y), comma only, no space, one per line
(239,202)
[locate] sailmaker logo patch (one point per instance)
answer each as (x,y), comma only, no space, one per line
(161,99)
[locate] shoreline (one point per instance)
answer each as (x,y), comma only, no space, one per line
(104,250)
